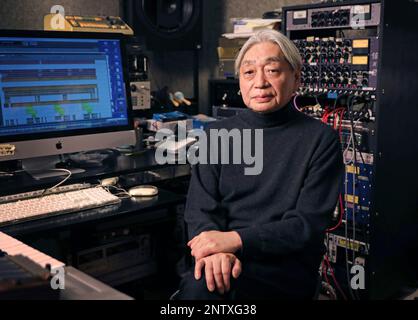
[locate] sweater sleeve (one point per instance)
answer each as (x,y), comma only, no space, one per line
(203,208)
(306,224)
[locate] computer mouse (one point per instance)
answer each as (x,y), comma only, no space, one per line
(143,191)
(109,181)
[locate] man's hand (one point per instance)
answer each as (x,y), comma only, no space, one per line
(212,242)
(218,270)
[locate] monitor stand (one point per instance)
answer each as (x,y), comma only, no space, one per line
(8,168)
(48,167)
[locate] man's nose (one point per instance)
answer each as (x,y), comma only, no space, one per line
(261,80)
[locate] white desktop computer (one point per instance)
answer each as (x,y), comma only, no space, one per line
(62,93)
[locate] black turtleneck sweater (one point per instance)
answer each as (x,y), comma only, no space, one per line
(282,213)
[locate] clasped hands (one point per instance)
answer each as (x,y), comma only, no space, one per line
(214,251)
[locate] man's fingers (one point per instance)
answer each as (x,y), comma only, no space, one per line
(196,239)
(192,243)
(226,271)
(196,252)
(195,247)
(236,269)
(217,272)
(198,268)
(193,240)
(210,282)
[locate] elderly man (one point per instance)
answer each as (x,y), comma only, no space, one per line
(261,236)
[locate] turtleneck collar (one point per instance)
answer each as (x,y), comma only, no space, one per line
(270,119)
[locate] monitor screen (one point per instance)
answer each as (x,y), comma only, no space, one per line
(62,92)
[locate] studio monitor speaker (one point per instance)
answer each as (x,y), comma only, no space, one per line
(166,24)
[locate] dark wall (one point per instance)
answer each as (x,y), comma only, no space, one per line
(172,69)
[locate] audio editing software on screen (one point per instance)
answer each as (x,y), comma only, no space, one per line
(60,84)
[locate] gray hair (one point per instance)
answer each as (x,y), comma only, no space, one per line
(290,52)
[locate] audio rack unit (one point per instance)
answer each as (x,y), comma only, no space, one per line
(359,76)
(339,64)
(331,16)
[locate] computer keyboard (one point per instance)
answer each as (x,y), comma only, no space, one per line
(44,192)
(64,202)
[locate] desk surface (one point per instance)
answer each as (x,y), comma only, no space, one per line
(122,165)
(78,226)
(80,286)
(119,165)
(138,210)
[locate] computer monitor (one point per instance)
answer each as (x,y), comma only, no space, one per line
(62,92)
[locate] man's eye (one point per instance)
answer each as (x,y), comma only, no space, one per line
(248,72)
(272,71)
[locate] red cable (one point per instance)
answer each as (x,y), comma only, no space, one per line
(335,280)
(325,116)
(341,120)
(338,112)
(341,215)
(324,272)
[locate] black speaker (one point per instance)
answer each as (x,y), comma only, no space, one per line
(166,24)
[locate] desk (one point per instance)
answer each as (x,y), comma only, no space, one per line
(80,286)
(155,224)
(132,167)
(117,166)
(116,244)
(130,210)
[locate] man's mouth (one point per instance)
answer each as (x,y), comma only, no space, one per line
(263,98)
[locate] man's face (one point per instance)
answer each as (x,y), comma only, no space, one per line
(267,81)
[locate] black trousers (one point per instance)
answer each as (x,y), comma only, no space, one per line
(243,288)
